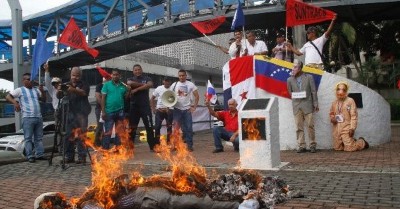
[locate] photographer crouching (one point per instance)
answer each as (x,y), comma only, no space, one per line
(76,93)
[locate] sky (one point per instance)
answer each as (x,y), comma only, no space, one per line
(28,7)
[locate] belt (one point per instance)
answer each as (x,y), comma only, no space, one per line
(162,109)
(315,65)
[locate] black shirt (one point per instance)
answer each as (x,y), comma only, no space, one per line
(98,90)
(79,104)
(140,98)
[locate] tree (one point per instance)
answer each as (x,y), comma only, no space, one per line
(3,93)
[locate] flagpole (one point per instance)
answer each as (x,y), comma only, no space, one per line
(286,39)
(209,39)
(40,27)
(244,34)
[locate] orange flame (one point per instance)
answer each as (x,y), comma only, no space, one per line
(251,128)
(108,178)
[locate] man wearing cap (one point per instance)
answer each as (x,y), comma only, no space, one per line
(312,56)
(281,51)
(52,84)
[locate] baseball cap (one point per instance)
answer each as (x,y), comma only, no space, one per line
(280,34)
(311,29)
(56,80)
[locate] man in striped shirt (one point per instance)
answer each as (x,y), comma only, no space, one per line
(32,122)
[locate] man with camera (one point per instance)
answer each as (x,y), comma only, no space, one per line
(76,93)
(32,121)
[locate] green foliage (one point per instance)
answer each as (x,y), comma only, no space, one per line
(370,72)
(349,32)
(394,109)
(3,93)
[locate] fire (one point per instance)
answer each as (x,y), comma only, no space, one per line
(107,169)
(108,176)
(187,174)
(251,127)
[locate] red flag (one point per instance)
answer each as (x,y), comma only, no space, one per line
(73,37)
(209,26)
(103,73)
(299,13)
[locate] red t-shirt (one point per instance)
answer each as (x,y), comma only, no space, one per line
(230,122)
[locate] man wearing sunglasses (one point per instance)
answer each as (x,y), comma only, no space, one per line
(32,122)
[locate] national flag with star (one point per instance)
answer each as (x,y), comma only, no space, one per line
(211,95)
(271,75)
(239,80)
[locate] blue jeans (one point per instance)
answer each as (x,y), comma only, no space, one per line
(183,119)
(160,116)
(111,119)
(75,121)
(219,133)
(33,135)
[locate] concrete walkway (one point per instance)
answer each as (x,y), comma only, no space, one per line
(328,179)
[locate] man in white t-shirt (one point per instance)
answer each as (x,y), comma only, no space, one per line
(312,57)
(238,47)
(255,47)
(161,111)
(183,109)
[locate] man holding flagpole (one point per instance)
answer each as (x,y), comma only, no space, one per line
(314,47)
(239,47)
(231,130)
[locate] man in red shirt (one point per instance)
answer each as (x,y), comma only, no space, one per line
(231,130)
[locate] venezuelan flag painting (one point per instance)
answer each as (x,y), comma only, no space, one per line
(271,75)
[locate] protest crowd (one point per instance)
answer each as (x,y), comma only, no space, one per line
(118,100)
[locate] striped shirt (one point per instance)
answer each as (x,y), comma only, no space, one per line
(29,101)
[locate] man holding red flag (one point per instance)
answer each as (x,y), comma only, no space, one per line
(313,48)
(300,13)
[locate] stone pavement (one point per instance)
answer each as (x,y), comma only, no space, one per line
(328,179)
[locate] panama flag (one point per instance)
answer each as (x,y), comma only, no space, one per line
(211,95)
(238,80)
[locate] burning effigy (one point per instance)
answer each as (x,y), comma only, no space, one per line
(186,186)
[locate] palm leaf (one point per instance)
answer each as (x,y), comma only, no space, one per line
(349,32)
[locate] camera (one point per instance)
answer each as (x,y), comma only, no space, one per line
(64,87)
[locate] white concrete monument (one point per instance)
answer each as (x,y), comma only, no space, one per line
(259,134)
